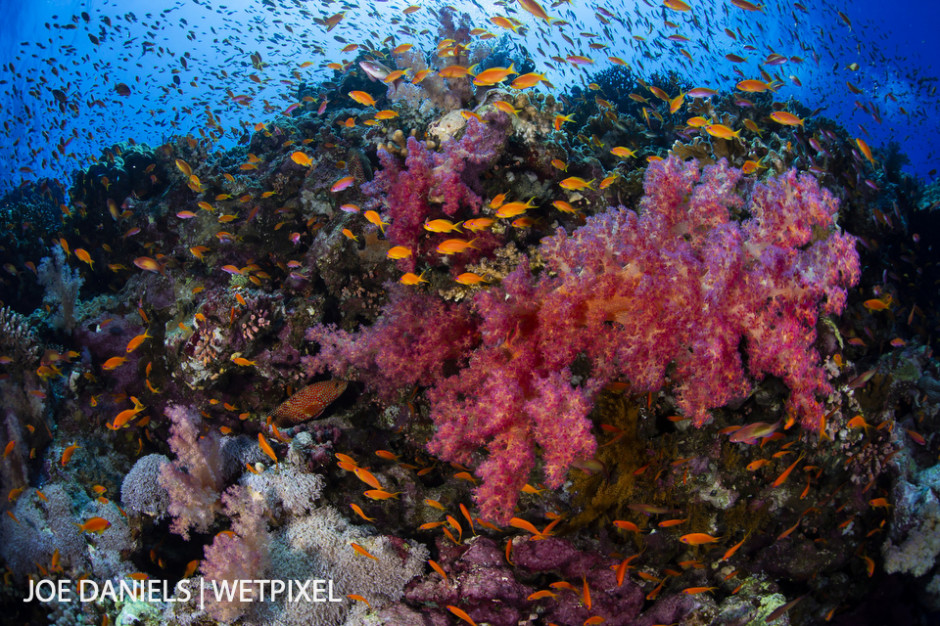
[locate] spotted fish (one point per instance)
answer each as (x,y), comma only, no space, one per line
(308,403)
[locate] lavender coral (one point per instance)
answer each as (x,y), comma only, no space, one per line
(682,286)
(239,555)
(195,479)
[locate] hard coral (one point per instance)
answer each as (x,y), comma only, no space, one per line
(141,491)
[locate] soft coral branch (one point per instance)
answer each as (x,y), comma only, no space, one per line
(434,183)
(194,480)
(679,287)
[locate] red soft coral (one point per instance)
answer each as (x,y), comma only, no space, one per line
(680,287)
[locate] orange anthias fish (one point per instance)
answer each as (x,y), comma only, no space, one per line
(494,75)
(535,9)
(865,150)
(362,98)
(83,256)
(363,551)
(561,119)
(113,363)
(380,494)
(753,86)
(627,525)
(787,119)
(876,304)
(858,422)
(461,614)
(454,246)
(410,278)
(367,477)
(574,183)
(67,454)
(526,81)
(398,252)
(355,507)
(453,71)
(308,403)
(375,218)
(470,279)
(622,152)
(301,158)
(124,417)
(441,226)
(94,525)
(479,223)
(527,526)
(721,131)
(134,343)
(697,539)
(786,473)
(358,598)
(266,447)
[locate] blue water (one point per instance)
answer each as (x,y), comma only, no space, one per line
(182,60)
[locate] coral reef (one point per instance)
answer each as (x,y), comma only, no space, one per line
(62,286)
(451,347)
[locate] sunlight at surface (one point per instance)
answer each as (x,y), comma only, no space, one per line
(182,60)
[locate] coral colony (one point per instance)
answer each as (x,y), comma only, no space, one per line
(455,350)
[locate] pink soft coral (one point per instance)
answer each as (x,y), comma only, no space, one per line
(194,480)
(435,184)
(239,555)
(666,295)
